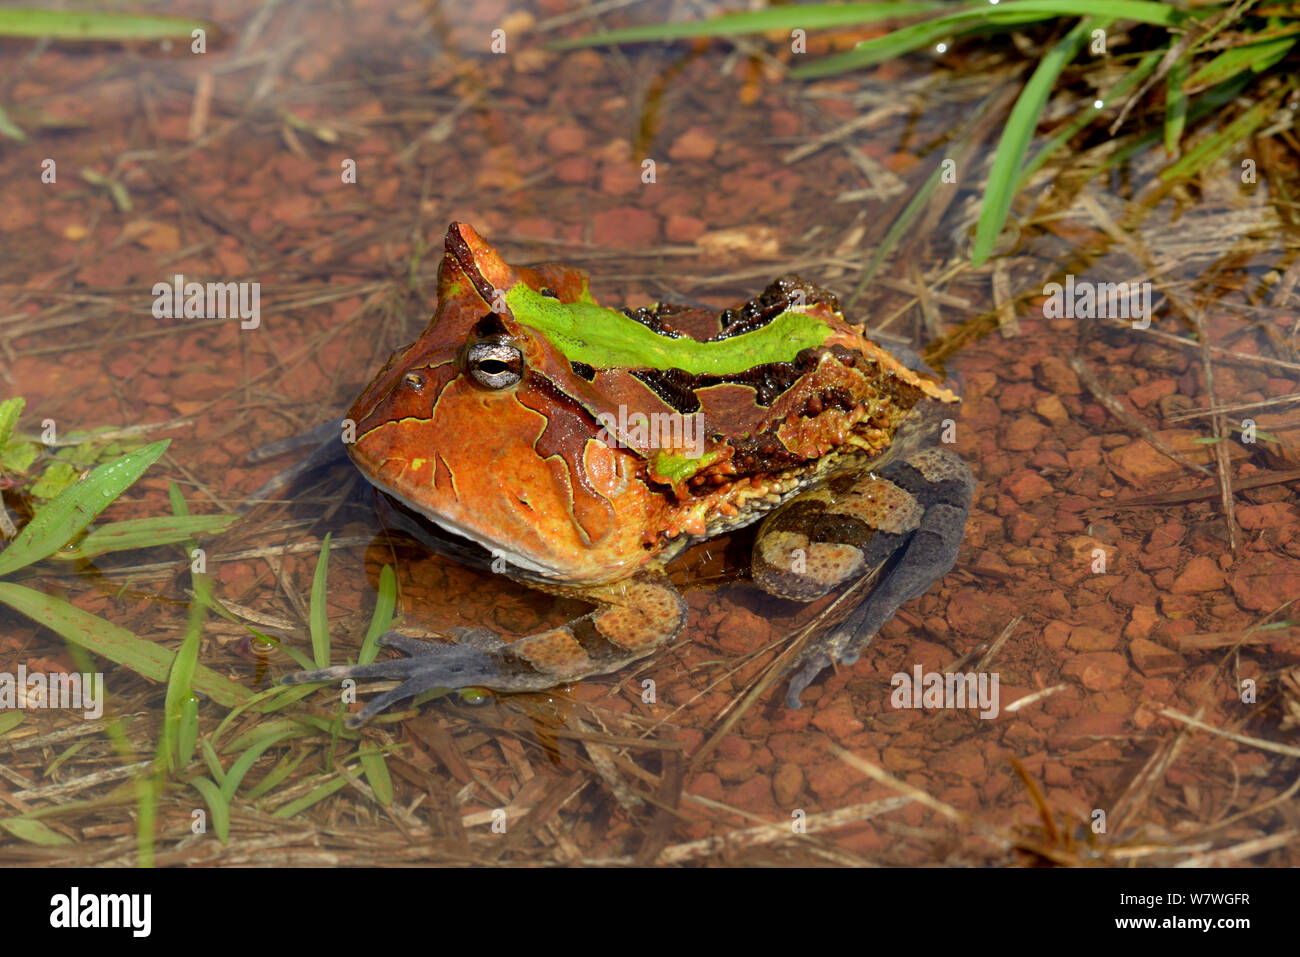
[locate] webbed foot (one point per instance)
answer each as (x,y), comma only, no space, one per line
(910,516)
(430,665)
(634,618)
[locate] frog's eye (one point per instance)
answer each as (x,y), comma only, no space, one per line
(495,365)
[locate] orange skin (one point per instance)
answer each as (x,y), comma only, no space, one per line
(522,471)
(475,461)
(488,428)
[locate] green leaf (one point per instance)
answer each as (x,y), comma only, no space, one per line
(113,642)
(1256,57)
(9,129)
(320,629)
(18,456)
(180,707)
(218,807)
(899,227)
(261,730)
(76,507)
(903,41)
(212,761)
(9,721)
(283,768)
(147,532)
(1175,106)
(811,17)
(54,481)
(319,793)
(918,35)
(1016,136)
(68,753)
(10,410)
(1131,79)
(385,601)
(1216,145)
(85,25)
(34,832)
(376,772)
(246,760)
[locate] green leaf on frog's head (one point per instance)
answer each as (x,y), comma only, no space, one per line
(675,467)
(597,336)
(606,338)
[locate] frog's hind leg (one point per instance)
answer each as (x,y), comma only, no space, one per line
(908,519)
(633,619)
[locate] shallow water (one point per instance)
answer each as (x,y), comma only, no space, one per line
(682,174)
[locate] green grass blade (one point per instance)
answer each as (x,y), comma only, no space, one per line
(900,226)
(900,42)
(68,753)
(86,26)
(1175,106)
(147,790)
(212,761)
(812,17)
(1218,144)
(320,629)
(267,700)
(218,807)
(34,832)
(385,601)
(246,760)
(376,772)
(179,694)
(919,35)
(1205,104)
(319,793)
(1016,136)
(113,642)
(176,497)
(76,507)
(1131,79)
(261,730)
(283,768)
(146,533)
(9,128)
(187,730)
(1252,56)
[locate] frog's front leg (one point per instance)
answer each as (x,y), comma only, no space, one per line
(633,618)
(907,518)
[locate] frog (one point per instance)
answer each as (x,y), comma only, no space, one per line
(586,447)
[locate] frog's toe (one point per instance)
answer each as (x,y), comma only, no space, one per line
(813,666)
(430,667)
(445,666)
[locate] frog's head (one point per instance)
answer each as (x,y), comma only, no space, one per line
(475,424)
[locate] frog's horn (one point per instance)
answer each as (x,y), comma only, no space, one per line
(470,256)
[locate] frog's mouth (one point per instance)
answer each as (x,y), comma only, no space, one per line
(494,548)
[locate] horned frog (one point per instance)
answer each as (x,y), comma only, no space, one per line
(589,446)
